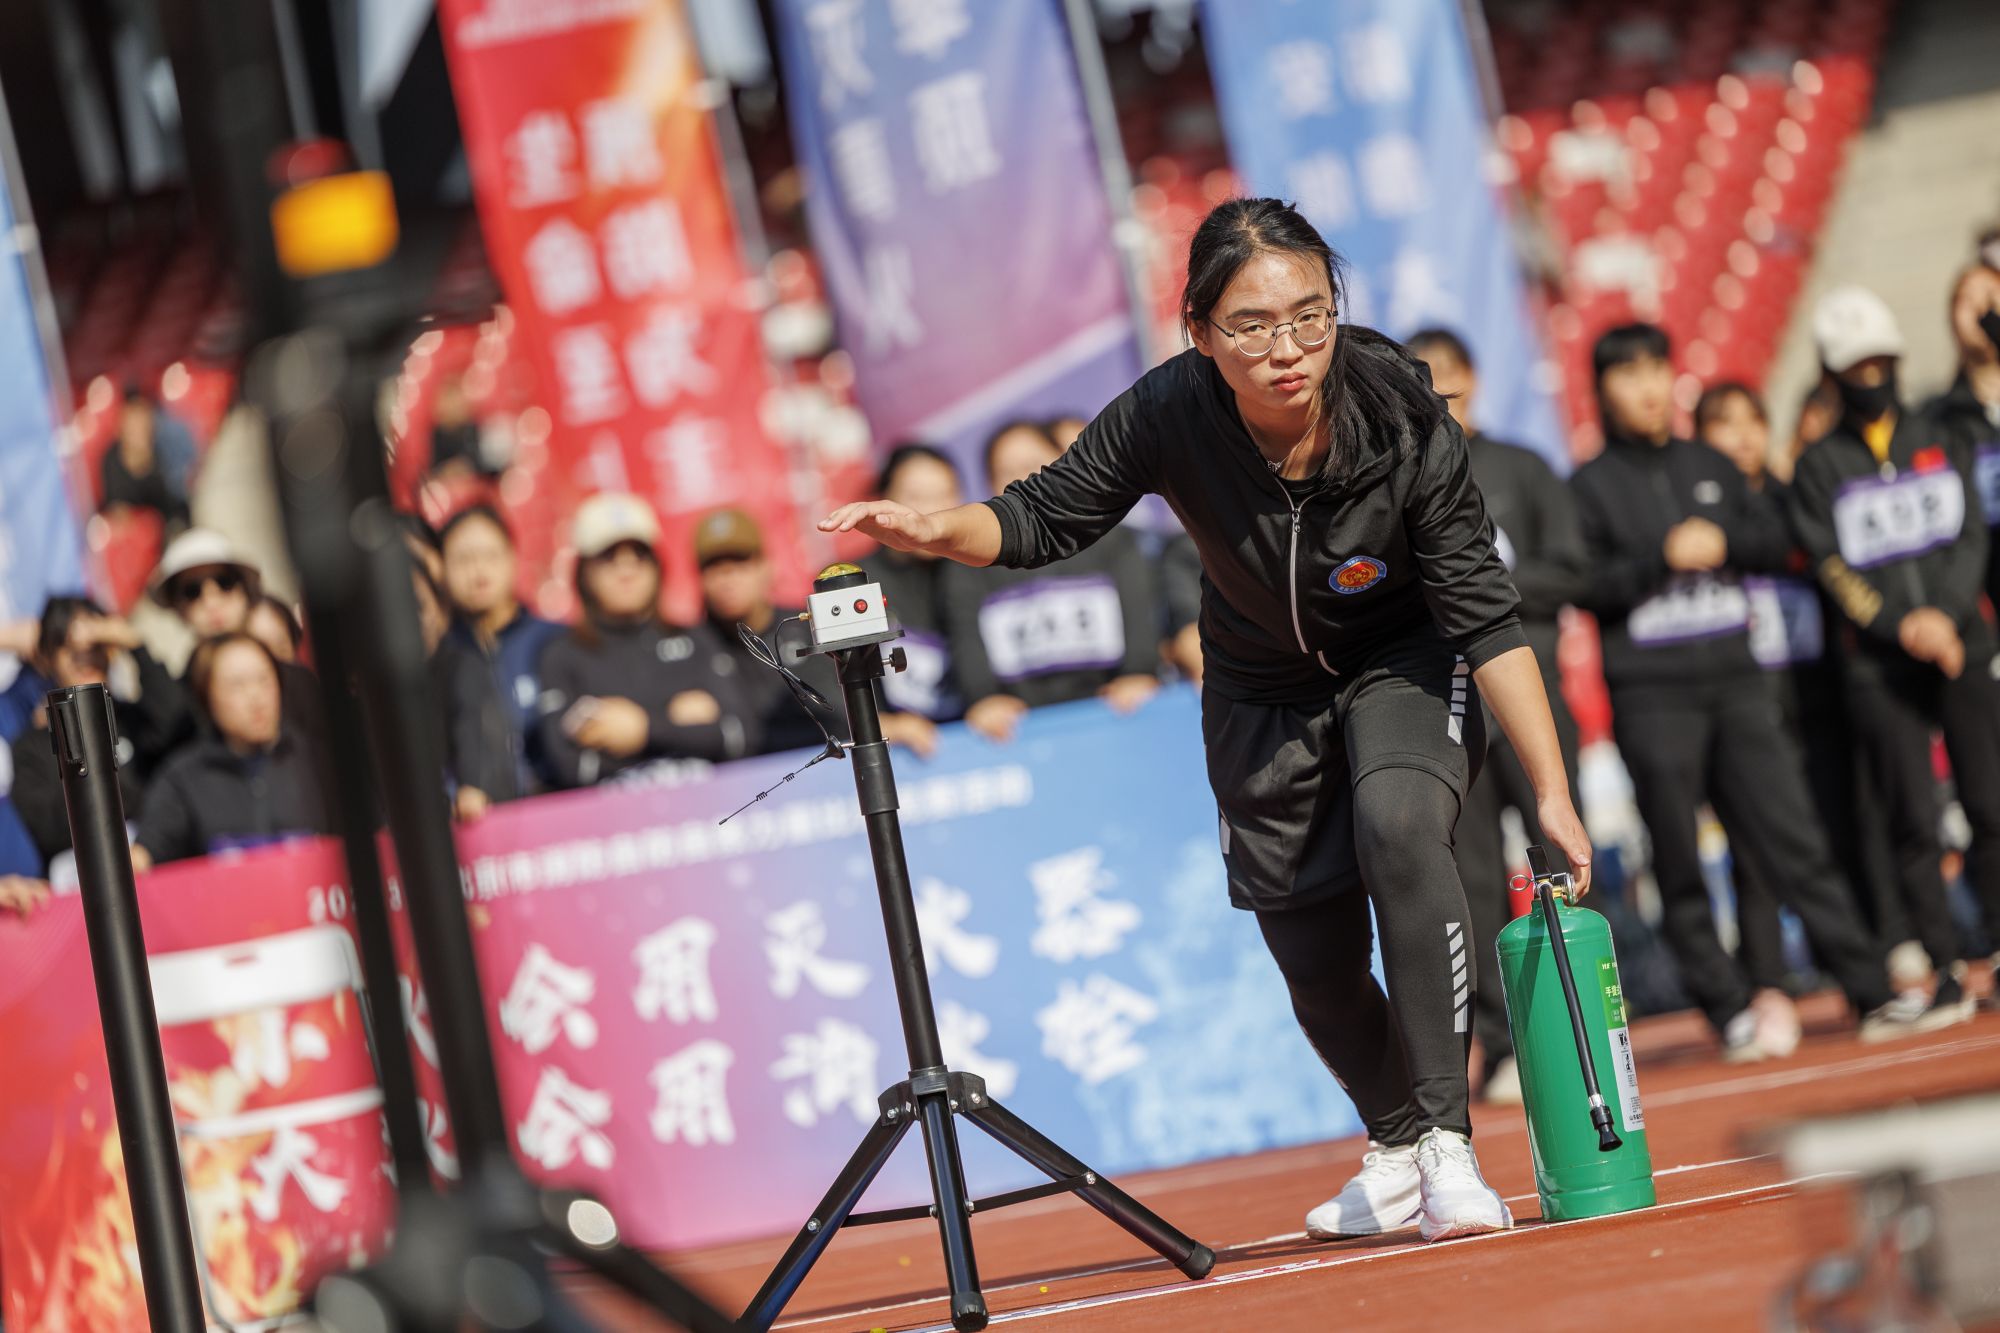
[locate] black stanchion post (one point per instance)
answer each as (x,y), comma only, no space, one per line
(80,729)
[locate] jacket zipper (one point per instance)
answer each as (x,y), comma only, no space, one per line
(1292,578)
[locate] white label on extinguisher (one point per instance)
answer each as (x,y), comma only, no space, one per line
(1626,1074)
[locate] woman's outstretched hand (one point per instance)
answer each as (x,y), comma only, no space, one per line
(896,526)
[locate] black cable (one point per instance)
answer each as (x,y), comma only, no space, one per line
(805,696)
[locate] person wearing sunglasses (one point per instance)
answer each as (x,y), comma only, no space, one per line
(213,589)
(623,692)
(1352,597)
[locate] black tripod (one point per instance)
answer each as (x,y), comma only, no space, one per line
(932,1094)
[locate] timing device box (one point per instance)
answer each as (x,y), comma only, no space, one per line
(849,616)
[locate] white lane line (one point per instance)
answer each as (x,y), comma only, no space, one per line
(1343,1261)
(863,1312)
(1236,1170)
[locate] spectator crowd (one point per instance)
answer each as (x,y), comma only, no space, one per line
(1785,627)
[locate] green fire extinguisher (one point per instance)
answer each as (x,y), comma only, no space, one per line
(1573,1049)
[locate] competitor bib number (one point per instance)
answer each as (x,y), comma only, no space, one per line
(1073,623)
(1877,520)
(1700,606)
(1986,472)
(1786,626)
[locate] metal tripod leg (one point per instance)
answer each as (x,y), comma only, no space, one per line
(954,1206)
(1183,1252)
(848,1187)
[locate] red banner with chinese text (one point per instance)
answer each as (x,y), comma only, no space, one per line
(601,195)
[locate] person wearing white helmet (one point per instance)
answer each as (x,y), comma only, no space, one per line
(1883,505)
(623,692)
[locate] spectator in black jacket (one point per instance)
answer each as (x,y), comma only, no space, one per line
(624,691)
(493,628)
(1671,530)
(77,646)
(249,779)
(737,585)
(1536,533)
(926,691)
(1180,582)
(1887,509)
(1970,409)
(1088,625)
(148,464)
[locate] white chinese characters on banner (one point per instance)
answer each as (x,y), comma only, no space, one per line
(928,27)
(1394,179)
(263,1049)
(288,1160)
(664,357)
(620,144)
(837,37)
(541,161)
(691,1096)
(833,1066)
(1089,1029)
(861,167)
(891,281)
(1376,67)
(646,250)
(793,939)
(953,136)
(1301,78)
(565,1121)
(1417,294)
(548,997)
(592,390)
(673,973)
(1322,186)
(692,457)
(941,913)
(960,1030)
(1075,922)
(562,267)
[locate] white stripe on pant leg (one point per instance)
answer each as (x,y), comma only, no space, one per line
(1454,935)
(1455,724)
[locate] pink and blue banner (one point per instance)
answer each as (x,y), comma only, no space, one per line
(693,1020)
(957,210)
(1367,114)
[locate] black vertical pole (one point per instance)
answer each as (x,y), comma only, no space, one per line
(80,731)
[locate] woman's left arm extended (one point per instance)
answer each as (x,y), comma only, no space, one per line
(1511,684)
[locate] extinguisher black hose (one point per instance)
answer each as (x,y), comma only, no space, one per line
(1600,1114)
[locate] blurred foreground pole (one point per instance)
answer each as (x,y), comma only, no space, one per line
(1127,234)
(80,731)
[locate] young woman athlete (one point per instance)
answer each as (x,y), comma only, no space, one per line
(1350,589)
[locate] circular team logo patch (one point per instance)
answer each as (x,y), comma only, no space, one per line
(1358,574)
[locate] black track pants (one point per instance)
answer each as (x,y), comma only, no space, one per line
(1401,1057)
(1895,713)
(1723,742)
(1482,862)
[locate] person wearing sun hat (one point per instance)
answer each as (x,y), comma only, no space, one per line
(623,691)
(1883,505)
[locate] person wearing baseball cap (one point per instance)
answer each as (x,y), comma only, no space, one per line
(623,691)
(1884,506)
(738,586)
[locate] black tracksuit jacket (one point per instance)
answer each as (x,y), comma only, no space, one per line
(649,664)
(913,589)
(208,795)
(1887,538)
(1297,593)
(1535,528)
(1627,498)
(1976,430)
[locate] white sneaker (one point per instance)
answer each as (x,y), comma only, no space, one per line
(1383,1196)
(1909,966)
(1741,1041)
(1456,1200)
(1913,1012)
(1778,1026)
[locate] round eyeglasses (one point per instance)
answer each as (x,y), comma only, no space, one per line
(1310,328)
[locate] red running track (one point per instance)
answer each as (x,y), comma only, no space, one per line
(1730,1230)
